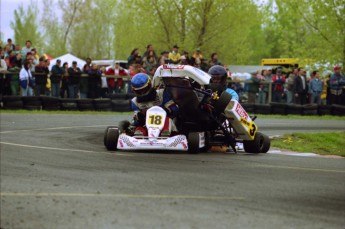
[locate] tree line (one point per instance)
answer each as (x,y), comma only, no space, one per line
(240,31)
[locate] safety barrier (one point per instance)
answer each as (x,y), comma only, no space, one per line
(122,103)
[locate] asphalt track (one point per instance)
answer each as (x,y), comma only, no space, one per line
(56,173)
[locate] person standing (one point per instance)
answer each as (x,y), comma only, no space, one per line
(290,86)
(41,77)
(55,78)
(278,86)
(26,80)
(301,87)
(337,84)
(64,83)
(253,87)
(74,74)
(315,88)
(174,55)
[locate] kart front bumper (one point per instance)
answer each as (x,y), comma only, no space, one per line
(178,142)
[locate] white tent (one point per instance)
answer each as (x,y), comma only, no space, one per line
(69,58)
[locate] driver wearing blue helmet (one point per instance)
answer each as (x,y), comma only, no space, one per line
(147,97)
(218,81)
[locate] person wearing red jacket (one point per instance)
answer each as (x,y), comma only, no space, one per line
(115,84)
(278,86)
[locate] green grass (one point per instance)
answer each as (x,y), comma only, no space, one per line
(309,117)
(320,143)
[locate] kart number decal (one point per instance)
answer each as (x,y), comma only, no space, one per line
(155,120)
(252,129)
(245,122)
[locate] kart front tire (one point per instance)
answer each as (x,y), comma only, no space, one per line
(260,144)
(111,137)
(106,133)
(193,139)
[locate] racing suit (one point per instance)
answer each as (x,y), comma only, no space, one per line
(158,97)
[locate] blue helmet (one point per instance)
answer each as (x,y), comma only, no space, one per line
(141,84)
(218,71)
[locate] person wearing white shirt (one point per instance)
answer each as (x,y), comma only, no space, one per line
(26,80)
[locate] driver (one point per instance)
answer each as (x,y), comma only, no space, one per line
(147,97)
(218,81)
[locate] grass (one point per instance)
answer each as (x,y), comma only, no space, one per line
(320,143)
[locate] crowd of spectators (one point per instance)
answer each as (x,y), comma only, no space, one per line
(295,87)
(28,74)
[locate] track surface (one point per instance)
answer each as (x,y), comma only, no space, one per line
(56,173)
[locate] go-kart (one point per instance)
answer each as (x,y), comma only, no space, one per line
(159,135)
(207,117)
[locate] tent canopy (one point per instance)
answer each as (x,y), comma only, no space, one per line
(69,58)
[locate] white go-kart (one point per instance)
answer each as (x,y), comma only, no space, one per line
(206,118)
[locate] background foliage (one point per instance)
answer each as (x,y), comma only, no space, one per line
(240,31)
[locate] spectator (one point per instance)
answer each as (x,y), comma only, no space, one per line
(3,65)
(150,52)
(87,66)
(290,86)
(301,87)
(74,74)
(10,46)
(278,86)
(115,84)
(41,77)
(337,84)
(17,49)
(14,67)
(185,58)
(132,57)
(32,61)
(214,60)
(27,48)
(263,87)
(134,69)
(35,57)
(204,66)
(55,78)
(174,55)
(315,88)
(64,82)
(104,84)
(26,80)
(197,58)
(164,58)
(253,87)
(84,83)
(94,81)
(149,62)
(328,90)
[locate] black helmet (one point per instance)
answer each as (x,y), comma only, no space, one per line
(218,71)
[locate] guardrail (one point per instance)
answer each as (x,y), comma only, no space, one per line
(122,103)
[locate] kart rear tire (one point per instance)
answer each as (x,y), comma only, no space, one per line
(260,144)
(266,145)
(207,143)
(111,137)
(193,139)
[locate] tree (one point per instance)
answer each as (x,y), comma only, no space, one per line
(25,26)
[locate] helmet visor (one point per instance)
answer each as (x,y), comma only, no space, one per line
(142,91)
(216,78)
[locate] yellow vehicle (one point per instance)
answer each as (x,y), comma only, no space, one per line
(283,62)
